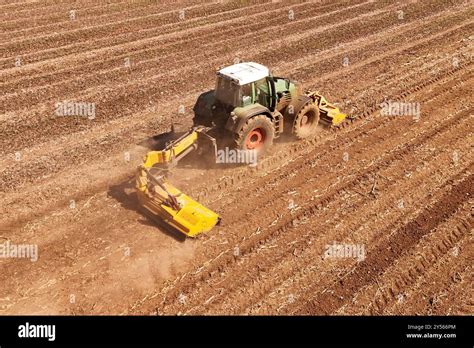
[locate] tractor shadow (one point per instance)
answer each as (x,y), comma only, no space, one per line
(159,141)
(124,194)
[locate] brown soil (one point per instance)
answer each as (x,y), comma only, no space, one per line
(399,187)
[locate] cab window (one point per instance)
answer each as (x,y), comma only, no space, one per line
(262,91)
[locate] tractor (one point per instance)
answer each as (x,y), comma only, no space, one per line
(247,110)
(252,108)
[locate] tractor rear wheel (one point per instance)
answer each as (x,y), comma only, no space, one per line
(256,134)
(306,122)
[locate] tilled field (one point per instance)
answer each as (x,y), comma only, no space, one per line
(398,187)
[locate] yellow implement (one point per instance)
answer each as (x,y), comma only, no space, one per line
(329,112)
(164,200)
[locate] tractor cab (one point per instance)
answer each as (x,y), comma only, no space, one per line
(242,88)
(245,84)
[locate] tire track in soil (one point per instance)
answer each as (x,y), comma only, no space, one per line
(388,251)
(326,278)
(401,282)
(454,288)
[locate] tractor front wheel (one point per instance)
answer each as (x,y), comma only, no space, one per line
(256,134)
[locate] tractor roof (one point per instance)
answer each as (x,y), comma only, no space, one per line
(244,73)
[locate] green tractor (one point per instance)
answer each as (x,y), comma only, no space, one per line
(256,107)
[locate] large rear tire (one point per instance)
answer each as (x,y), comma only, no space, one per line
(306,122)
(256,134)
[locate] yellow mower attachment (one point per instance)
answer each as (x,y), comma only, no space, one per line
(164,200)
(329,112)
